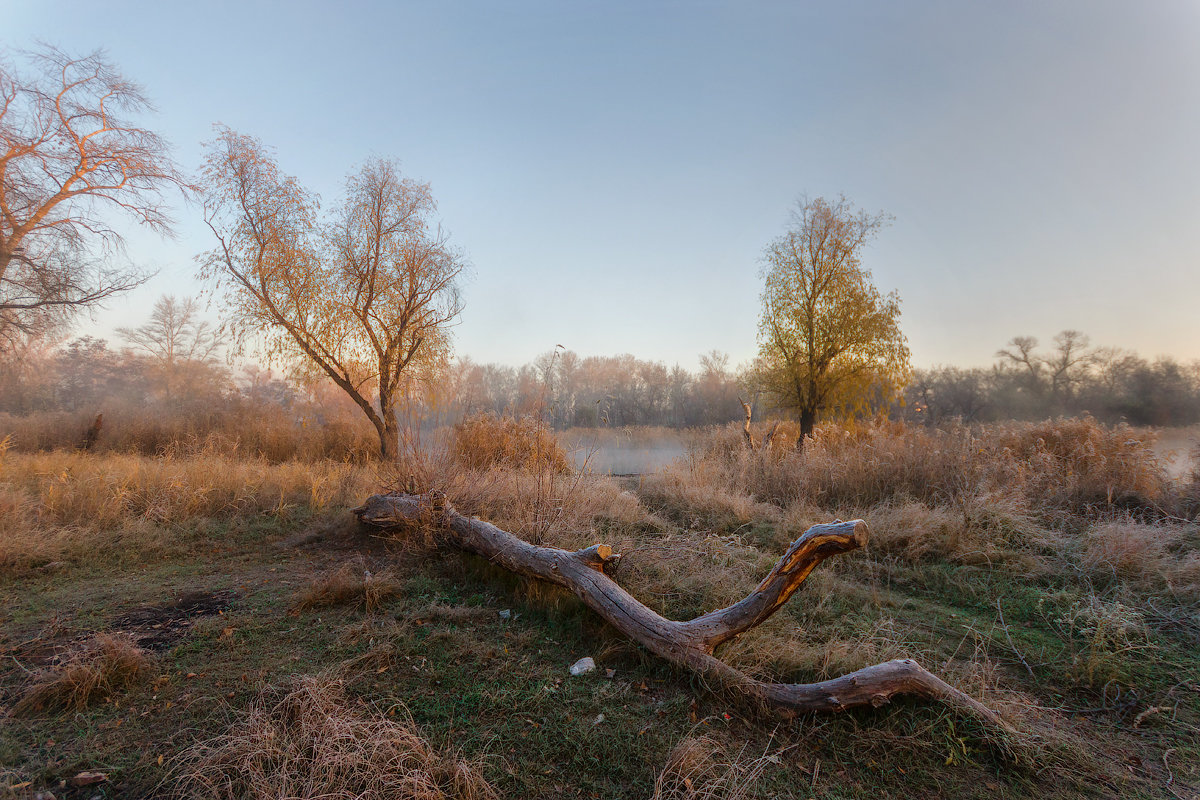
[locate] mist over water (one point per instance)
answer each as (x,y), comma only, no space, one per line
(1178,448)
(632,452)
(623,452)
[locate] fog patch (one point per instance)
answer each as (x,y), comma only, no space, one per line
(625,451)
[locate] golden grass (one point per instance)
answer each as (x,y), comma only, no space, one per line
(486,440)
(312,741)
(244,429)
(1046,470)
(64,505)
(350,584)
(102,665)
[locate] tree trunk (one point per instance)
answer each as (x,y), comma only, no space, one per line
(389,435)
(808,421)
(690,643)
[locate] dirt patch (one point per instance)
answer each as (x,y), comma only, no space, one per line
(158,627)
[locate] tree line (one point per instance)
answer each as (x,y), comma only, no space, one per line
(1067,378)
(175,363)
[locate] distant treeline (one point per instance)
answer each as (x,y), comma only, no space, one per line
(1069,379)
(87,376)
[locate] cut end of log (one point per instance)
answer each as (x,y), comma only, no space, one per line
(861,532)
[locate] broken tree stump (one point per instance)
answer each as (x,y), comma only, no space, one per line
(691,643)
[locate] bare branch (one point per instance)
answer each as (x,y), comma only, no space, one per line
(69,161)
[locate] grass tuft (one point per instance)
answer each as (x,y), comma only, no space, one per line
(103,665)
(311,740)
(350,585)
(701,768)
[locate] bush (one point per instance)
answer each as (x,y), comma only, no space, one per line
(486,440)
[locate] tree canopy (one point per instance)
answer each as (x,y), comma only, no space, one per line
(828,340)
(364,294)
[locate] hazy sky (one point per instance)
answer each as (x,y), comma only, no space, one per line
(614,170)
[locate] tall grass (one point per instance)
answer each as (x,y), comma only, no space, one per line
(522,443)
(63,505)
(242,430)
(1051,470)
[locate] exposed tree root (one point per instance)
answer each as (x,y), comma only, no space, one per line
(690,643)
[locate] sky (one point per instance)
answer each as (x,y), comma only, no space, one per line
(613,170)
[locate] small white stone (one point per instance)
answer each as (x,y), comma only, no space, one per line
(583,666)
(598,719)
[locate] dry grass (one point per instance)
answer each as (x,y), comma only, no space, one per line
(312,741)
(64,505)
(702,768)
(103,665)
(486,440)
(1103,638)
(350,584)
(1045,471)
(243,429)
(1145,555)
(545,506)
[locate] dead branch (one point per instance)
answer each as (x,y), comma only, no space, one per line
(690,643)
(746,425)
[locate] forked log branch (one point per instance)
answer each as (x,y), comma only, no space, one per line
(748,436)
(691,643)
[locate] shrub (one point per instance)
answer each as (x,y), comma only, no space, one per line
(525,443)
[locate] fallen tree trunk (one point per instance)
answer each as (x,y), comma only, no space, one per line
(690,643)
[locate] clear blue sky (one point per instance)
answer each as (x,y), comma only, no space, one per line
(614,169)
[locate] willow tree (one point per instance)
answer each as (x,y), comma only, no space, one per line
(828,340)
(363,294)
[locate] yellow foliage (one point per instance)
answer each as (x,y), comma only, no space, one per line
(828,340)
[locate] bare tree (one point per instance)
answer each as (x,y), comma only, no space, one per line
(177,341)
(365,295)
(1059,372)
(1020,356)
(176,333)
(1071,358)
(71,162)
